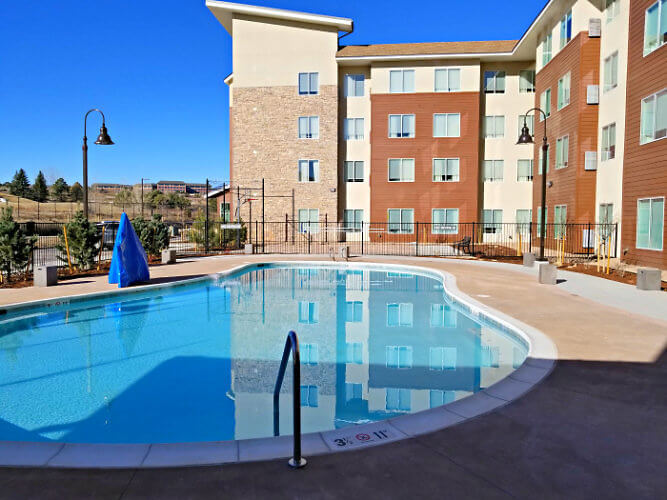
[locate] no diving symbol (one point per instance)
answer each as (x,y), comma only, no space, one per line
(363,437)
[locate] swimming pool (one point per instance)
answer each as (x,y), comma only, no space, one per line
(198,361)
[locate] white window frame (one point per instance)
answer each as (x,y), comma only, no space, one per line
(562,152)
(560,221)
(547,55)
(608,142)
(524,178)
(530,89)
(311,76)
(530,122)
(451,172)
(405,120)
(403,72)
(496,76)
(357,216)
(309,354)
(497,167)
(654,98)
(402,225)
(566,29)
(445,116)
(312,310)
(494,226)
(612,9)
(651,200)
(545,103)
(438,357)
(407,169)
(447,72)
(610,72)
(358,124)
(309,226)
(451,223)
(662,11)
(311,126)
(447,317)
(354,82)
(497,129)
(315,168)
(564,92)
(405,315)
(352,170)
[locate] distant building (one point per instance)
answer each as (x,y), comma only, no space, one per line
(109,188)
(196,188)
(171,186)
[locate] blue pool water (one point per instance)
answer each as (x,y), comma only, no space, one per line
(198,362)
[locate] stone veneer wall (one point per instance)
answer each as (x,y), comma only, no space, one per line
(265,144)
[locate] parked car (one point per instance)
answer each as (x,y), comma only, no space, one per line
(110,229)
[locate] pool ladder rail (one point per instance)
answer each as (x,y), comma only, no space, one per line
(291,345)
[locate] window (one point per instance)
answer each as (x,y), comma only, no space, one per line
(309,170)
(612,8)
(654,117)
(401,220)
(401,126)
(439,398)
(560,219)
(352,219)
(524,170)
(442,316)
(353,391)
(494,126)
(609,142)
(354,352)
(309,396)
(650,223)
(353,129)
(354,85)
(308,83)
(445,221)
(546,49)
(309,127)
(565,29)
(225,213)
(655,26)
(446,125)
(401,170)
(309,220)
(309,312)
(527,80)
(401,81)
(564,91)
(493,170)
(494,82)
(539,220)
(354,311)
(447,79)
(354,171)
(445,170)
(400,315)
(529,120)
(523,219)
(562,151)
(397,399)
(492,220)
(590,160)
(545,103)
(490,357)
(309,354)
(606,215)
(541,160)
(398,356)
(442,358)
(611,72)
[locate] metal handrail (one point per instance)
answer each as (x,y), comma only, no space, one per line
(291,344)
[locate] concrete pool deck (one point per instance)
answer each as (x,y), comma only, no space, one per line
(597,426)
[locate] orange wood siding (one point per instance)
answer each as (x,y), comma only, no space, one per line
(644,166)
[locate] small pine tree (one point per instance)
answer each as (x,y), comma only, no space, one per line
(20,185)
(83,239)
(15,245)
(153,234)
(60,189)
(76,192)
(40,191)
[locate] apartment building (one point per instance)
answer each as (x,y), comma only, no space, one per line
(426,132)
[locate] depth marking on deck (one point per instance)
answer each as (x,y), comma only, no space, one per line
(350,437)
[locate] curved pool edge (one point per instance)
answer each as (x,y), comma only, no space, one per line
(539,363)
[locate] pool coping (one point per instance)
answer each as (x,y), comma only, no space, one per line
(540,361)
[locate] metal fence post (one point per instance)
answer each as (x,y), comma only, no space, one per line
(362,237)
(417,239)
(473,237)
(588,240)
(615,238)
(530,236)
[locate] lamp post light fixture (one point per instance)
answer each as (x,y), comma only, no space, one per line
(526,138)
(103,140)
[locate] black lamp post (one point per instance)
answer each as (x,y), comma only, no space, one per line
(526,138)
(103,140)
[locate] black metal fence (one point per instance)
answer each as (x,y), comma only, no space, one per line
(563,242)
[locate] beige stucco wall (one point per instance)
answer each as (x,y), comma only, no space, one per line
(273,52)
(509,195)
(425,74)
(355,195)
(609,179)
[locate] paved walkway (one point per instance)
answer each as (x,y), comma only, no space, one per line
(595,428)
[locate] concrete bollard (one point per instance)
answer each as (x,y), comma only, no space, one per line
(248,248)
(529,259)
(45,276)
(168,256)
(547,273)
(648,278)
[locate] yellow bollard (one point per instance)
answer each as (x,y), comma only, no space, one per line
(69,260)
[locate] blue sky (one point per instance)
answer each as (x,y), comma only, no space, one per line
(155,67)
